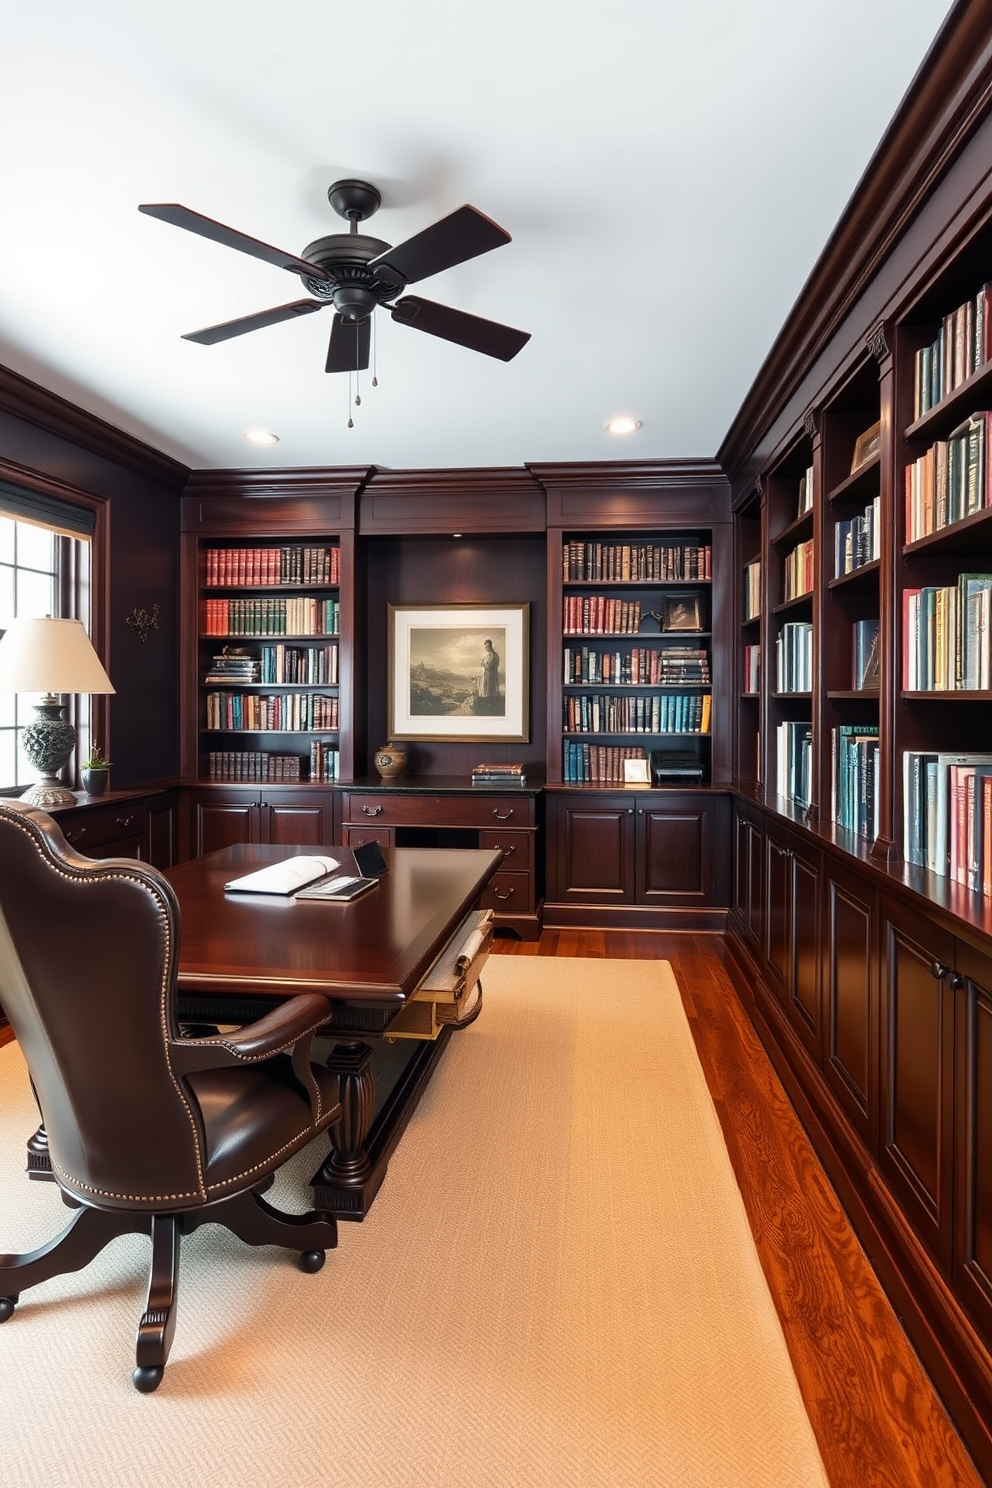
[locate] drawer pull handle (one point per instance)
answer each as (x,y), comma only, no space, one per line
(371,810)
(506,851)
(502,815)
(503,894)
(75,833)
(123,821)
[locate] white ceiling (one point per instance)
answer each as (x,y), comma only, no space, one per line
(669,171)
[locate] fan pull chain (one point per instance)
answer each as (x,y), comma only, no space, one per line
(351,421)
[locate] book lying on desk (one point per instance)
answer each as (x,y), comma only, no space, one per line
(285,877)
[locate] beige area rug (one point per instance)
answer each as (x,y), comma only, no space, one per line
(556,1286)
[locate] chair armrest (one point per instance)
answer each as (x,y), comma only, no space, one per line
(278,1030)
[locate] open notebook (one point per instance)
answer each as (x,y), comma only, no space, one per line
(285,877)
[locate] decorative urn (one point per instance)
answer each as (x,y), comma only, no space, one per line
(390,760)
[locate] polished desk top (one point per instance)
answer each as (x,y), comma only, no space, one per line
(375,949)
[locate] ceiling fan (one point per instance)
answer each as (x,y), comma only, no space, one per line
(354,273)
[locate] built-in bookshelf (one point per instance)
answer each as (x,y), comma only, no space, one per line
(790,636)
(636,645)
(268,661)
(749,609)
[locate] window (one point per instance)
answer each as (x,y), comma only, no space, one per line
(45,569)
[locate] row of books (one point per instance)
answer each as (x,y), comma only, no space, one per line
(498,773)
(798,571)
(946,636)
(950,481)
(606,713)
(854,772)
(302,616)
(947,812)
(751,680)
(858,541)
(316,666)
(963,345)
(284,711)
(640,666)
(607,562)
(596,764)
(324,761)
(598,614)
(244,568)
(793,753)
(244,764)
(752,590)
(794,657)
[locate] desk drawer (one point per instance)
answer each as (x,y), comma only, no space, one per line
(509,893)
(438,811)
(449,993)
(107,831)
(517,849)
(358,836)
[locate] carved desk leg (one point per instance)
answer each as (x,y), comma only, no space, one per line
(340,1185)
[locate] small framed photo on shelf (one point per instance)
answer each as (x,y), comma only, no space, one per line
(636,772)
(459,672)
(681,614)
(866,447)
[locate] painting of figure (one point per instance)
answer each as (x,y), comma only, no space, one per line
(459,671)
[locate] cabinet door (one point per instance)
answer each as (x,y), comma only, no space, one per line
(851,993)
(778,910)
(298,819)
(222,819)
(749,875)
(918,1072)
(593,850)
(792,934)
(677,850)
(972,1263)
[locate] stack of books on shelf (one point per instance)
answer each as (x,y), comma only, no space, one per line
(234,665)
(265,617)
(799,571)
(251,765)
(952,480)
(596,764)
(855,760)
(752,590)
(641,666)
(865,660)
(608,562)
(244,568)
(963,345)
(858,541)
(946,645)
(598,614)
(752,669)
(794,657)
(947,810)
(499,774)
(794,748)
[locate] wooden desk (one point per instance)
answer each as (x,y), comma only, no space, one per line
(241,952)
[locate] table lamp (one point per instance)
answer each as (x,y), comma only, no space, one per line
(39,654)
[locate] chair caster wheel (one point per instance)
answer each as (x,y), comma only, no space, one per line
(148,1379)
(311,1260)
(7,1305)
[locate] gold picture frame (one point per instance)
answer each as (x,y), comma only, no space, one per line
(866,447)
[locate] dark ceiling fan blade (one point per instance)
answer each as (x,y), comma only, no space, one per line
(348,350)
(463,234)
(487,336)
(210,335)
(205,227)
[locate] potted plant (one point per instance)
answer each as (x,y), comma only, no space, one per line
(94,772)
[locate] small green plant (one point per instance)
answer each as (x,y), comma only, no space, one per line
(95,759)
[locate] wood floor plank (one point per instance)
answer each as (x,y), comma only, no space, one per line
(877,1419)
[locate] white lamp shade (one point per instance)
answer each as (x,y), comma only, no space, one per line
(39,654)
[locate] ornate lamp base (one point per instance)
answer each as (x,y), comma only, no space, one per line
(48,742)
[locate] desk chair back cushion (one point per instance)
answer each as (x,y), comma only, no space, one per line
(88,955)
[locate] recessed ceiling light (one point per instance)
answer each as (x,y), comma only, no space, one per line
(623,425)
(261,436)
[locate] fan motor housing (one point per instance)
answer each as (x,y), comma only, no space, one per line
(351,286)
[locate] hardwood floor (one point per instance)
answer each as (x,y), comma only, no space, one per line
(876,1417)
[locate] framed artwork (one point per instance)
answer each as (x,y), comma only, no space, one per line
(459,672)
(681,613)
(866,447)
(636,772)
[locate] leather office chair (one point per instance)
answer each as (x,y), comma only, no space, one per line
(148,1130)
